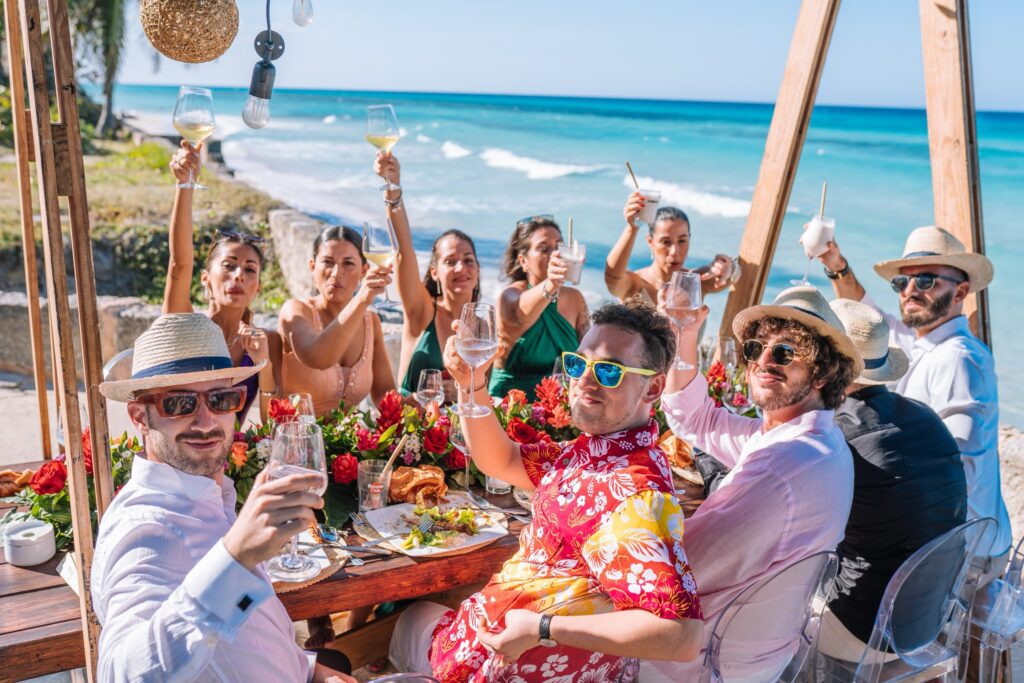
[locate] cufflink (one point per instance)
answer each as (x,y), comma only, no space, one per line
(244,603)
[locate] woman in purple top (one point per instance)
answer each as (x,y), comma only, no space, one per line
(230,279)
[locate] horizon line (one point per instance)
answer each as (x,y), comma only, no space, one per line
(571,97)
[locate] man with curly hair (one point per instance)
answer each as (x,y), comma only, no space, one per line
(790,487)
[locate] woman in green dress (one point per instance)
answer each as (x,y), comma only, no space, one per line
(430,304)
(538,316)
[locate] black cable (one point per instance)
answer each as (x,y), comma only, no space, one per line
(270,37)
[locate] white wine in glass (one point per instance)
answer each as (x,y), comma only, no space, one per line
(476,341)
(382,132)
(380,247)
(194,120)
(682,305)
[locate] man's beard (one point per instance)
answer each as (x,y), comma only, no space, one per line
(783,399)
(932,311)
(176,455)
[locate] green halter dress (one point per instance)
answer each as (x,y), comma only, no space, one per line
(533,355)
(426,356)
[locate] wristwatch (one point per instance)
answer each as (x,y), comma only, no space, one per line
(835,275)
(545,631)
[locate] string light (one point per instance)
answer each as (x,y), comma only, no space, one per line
(269,46)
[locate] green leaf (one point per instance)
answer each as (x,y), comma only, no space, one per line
(339,503)
(386,436)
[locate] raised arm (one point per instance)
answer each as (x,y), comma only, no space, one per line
(846,285)
(177,290)
(416,300)
(617,275)
(519,308)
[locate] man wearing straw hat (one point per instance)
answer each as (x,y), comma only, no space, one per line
(789,490)
(950,370)
(176,578)
(908,483)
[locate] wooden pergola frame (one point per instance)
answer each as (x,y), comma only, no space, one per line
(54,145)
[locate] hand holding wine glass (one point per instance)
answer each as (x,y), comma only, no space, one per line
(186,163)
(429,388)
(194,120)
(382,132)
(298,449)
(682,304)
(380,247)
(474,345)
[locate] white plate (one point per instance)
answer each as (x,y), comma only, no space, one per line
(387,521)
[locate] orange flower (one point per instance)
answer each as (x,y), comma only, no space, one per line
(560,417)
(239,456)
(515,397)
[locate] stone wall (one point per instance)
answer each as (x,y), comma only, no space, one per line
(293,234)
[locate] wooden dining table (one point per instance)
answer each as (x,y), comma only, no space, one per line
(41,627)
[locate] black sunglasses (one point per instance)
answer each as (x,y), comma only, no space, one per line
(546,217)
(241,236)
(782,354)
(185,403)
(922,281)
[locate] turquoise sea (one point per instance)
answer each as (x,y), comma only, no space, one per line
(480,162)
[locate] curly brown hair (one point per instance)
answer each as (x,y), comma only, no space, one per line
(828,364)
(637,316)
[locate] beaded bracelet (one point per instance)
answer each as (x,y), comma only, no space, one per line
(394,203)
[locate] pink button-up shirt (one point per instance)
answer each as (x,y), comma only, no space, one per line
(787,497)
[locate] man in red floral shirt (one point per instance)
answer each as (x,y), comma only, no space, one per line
(600,577)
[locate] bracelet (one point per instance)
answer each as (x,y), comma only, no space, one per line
(552,297)
(836,274)
(268,393)
(394,203)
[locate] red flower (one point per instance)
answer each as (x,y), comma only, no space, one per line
(390,410)
(281,410)
(520,432)
(550,393)
(240,436)
(455,460)
(435,440)
(366,440)
(345,468)
(50,478)
(87,450)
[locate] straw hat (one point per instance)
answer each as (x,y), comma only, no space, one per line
(178,348)
(929,246)
(883,361)
(808,307)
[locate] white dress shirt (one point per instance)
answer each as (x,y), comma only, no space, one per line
(173,603)
(787,497)
(953,372)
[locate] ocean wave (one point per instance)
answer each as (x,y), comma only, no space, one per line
(690,199)
(329,119)
(424,138)
(535,169)
(453,150)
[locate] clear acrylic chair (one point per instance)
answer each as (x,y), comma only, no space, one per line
(998,615)
(119,367)
(767,632)
(923,616)
(409,678)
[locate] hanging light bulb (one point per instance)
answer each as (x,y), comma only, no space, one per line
(302,12)
(256,113)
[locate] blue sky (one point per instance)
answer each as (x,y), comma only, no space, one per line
(732,50)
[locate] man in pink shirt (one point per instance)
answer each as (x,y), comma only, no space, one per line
(790,487)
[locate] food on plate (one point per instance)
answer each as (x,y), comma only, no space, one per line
(12,482)
(423,486)
(449,526)
(679,452)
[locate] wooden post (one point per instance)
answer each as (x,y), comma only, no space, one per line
(20,116)
(952,135)
(782,149)
(58,159)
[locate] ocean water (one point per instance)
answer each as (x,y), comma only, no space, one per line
(480,162)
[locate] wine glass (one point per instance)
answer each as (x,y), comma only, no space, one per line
(297,448)
(476,341)
(558,373)
(382,132)
(682,304)
(303,404)
(380,248)
(706,353)
(728,355)
(818,232)
(193,118)
(429,388)
(458,440)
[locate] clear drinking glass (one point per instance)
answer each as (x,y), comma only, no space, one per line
(380,246)
(303,404)
(706,353)
(476,341)
(429,388)
(496,486)
(297,448)
(574,256)
(728,355)
(373,483)
(382,132)
(458,440)
(193,119)
(682,304)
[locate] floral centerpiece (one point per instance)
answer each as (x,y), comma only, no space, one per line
(728,387)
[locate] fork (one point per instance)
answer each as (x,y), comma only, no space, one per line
(425,525)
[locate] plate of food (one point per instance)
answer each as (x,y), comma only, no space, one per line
(680,458)
(457,526)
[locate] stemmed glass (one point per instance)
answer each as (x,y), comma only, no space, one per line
(193,118)
(298,448)
(682,303)
(476,341)
(458,440)
(382,132)
(303,404)
(429,388)
(380,248)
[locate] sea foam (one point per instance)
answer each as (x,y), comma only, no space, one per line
(690,199)
(453,150)
(535,169)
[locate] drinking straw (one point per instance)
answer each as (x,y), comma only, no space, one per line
(570,232)
(632,175)
(394,454)
(821,210)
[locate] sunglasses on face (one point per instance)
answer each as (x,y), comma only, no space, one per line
(535,219)
(922,281)
(607,373)
(185,403)
(241,236)
(781,353)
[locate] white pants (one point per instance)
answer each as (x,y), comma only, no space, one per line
(410,643)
